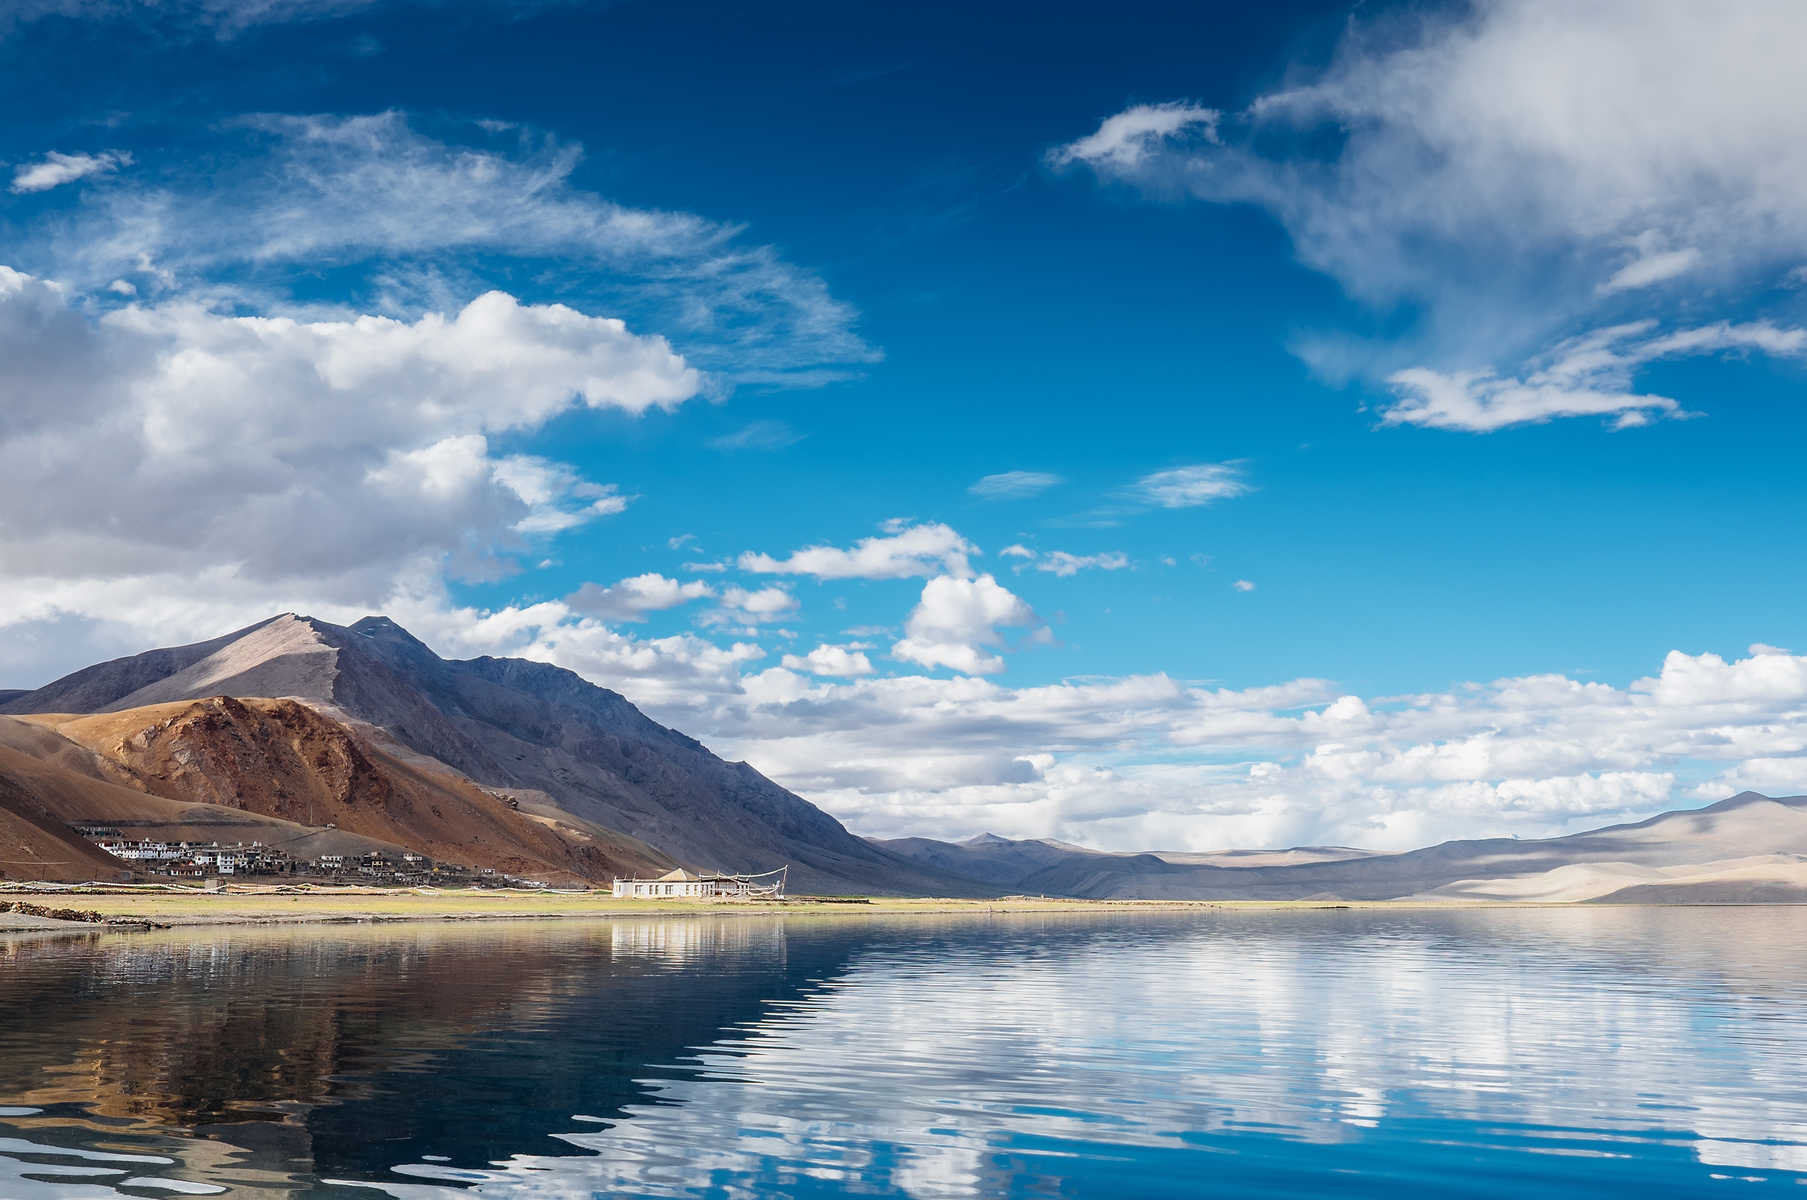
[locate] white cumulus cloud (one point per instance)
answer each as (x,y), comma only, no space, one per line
(632,598)
(841,661)
(956,624)
(344,453)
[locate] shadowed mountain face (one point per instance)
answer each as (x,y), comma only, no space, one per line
(559,745)
(1745,848)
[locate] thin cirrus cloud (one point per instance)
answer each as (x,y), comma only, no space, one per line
(1470,168)
(1065,564)
(222,19)
(1191,486)
(1014,485)
(1652,267)
(758,435)
(421,221)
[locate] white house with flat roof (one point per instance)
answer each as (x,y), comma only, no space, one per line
(682,884)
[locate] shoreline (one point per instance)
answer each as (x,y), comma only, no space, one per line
(115,909)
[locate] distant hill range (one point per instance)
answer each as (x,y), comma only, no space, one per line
(1748,849)
(354,738)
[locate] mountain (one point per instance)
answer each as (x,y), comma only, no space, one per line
(559,747)
(1747,847)
(1045,866)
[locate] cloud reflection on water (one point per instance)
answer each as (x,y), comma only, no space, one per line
(1032,1056)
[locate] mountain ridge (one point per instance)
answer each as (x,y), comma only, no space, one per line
(1743,827)
(580,758)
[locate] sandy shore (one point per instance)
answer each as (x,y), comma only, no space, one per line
(198,908)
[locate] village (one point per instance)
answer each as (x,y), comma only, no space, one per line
(218,860)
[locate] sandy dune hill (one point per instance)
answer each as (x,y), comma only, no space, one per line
(519,726)
(280,758)
(1756,879)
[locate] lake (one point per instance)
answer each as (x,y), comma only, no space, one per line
(1510,1052)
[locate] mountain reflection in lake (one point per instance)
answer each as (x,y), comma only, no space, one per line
(1480,1053)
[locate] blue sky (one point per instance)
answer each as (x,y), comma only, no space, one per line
(1318,355)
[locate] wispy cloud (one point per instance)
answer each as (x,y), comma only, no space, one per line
(1063,563)
(1586,376)
(55,170)
(1014,485)
(223,19)
(1124,141)
(423,222)
(758,435)
(1652,268)
(1191,486)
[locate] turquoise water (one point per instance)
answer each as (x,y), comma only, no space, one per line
(1573,1052)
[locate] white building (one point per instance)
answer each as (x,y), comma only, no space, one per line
(682,884)
(223,861)
(140,851)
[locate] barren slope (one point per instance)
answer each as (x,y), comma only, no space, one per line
(48,782)
(282,759)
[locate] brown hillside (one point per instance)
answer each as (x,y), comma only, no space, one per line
(36,845)
(280,758)
(48,782)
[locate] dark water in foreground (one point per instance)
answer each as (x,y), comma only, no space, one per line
(1512,1053)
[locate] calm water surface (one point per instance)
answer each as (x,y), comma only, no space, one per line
(1512,1053)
